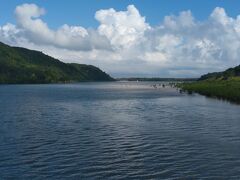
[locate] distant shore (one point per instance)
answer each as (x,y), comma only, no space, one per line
(156,79)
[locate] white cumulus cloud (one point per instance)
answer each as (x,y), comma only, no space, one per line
(123,28)
(69,37)
(125,44)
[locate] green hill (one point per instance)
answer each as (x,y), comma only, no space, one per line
(229,73)
(222,85)
(20,66)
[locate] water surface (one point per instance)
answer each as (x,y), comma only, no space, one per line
(119,130)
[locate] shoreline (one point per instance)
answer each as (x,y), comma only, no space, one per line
(228,90)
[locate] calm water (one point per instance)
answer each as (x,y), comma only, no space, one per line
(116,131)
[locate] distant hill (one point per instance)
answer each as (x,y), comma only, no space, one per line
(20,66)
(222,85)
(225,75)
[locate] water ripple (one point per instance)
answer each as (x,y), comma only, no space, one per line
(116,131)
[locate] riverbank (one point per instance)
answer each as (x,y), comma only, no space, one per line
(223,89)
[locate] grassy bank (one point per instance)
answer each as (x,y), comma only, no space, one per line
(223,89)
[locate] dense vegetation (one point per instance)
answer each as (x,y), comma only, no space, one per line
(229,73)
(20,65)
(223,85)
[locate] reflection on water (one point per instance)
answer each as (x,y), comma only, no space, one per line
(116,130)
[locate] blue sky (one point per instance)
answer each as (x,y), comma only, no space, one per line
(153,38)
(82,12)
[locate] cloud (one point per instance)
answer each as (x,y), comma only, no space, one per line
(185,20)
(123,28)
(125,44)
(69,37)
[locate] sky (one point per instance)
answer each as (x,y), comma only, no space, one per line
(129,38)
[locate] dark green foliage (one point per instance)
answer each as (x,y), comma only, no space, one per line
(231,72)
(223,89)
(20,65)
(223,85)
